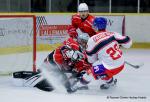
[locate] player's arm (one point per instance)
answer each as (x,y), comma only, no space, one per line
(92,58)
(72,32)
(75,21)
(89,51)
(124,41)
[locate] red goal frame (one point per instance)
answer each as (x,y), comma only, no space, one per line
(34,34)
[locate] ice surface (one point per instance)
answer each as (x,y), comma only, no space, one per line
(15,62)
(133,85)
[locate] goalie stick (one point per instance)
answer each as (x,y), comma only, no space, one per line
(134,66)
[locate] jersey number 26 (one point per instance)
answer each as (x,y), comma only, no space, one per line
(114,52)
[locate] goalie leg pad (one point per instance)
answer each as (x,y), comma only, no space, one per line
(44,85)
(32,81)
(39,82)
(24,74)
(20,77)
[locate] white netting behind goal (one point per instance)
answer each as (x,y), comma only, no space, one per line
(16,43)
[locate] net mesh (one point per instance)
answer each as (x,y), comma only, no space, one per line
(16,44)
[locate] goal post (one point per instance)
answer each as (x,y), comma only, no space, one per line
(17,43)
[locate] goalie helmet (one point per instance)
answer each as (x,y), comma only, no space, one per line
(73,55)
(100,23)
(83,39)
(83,7)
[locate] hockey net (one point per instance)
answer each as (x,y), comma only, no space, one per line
(17,43)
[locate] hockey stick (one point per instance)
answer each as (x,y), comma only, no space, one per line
(134,66)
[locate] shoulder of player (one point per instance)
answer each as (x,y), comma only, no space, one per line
(91,40)
(76,16)
(116,34)
(101,35)
(90,18)
(58,58)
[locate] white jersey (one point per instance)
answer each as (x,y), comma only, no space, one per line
(105,47)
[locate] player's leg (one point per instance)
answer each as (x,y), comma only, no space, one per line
(80,82)
(100,72)
(31,79)
(19,77)
(52,69)
(39,82)
(110,81)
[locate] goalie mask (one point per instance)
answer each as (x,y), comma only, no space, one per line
(72,55)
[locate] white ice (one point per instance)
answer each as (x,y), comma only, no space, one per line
(133,85)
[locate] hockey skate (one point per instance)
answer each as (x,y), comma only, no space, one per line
(77,85)
(109,84)
(71,90)
(75,88)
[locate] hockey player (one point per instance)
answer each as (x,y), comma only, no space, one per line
(103,50)
(82,20)
(65,59)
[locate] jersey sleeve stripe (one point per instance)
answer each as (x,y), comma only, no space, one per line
(125,40)
(88,22)
(100,45)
